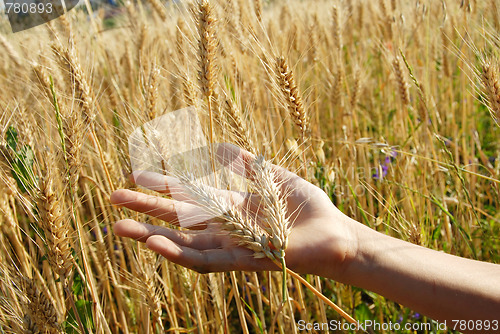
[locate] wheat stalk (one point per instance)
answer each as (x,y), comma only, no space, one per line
(189,91)
(132,14)
(385,19)
(152,92)
(265,184)
(401,81)
(25,126)
(149,287)
(74,130)
(159,8)
(11,52)
(313,39)
(42,79)
(238,126)
(258,9)
(445,44)
(9,225)
(337,35)
(207,50)
(54,223)
(336,87)
(180,39)
(492,87)
(69,61)
(356,86)
(40,313)
(286,82)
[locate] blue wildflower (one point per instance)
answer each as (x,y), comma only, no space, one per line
(383,169)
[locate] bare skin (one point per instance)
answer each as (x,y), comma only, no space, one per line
(324,242)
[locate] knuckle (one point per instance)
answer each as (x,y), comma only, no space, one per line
(203,266)
(170,207)
(242,262)
(152,201)
(184,238)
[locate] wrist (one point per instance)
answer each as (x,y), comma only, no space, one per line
(350,259)
(339,248)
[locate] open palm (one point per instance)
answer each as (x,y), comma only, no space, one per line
(318,227)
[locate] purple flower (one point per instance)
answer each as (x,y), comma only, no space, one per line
(105,230)
(377,175)
(384,168)
(416,316)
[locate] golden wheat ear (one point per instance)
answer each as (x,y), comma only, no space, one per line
(54,223)
(238,127)
(39,313)
(401,81)
(286,82)
(70,63)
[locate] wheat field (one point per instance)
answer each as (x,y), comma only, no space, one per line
(391,107)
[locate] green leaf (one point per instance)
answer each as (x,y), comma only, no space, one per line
(437,231)
(77,285)
(391,114)
(362,313)
(21,161)
(22,168)
(259,323)
(230,87)
(84,309)
(117,123)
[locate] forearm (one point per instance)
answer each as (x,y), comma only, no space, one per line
(439,285)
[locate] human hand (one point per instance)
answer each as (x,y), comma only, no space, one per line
(322,239)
